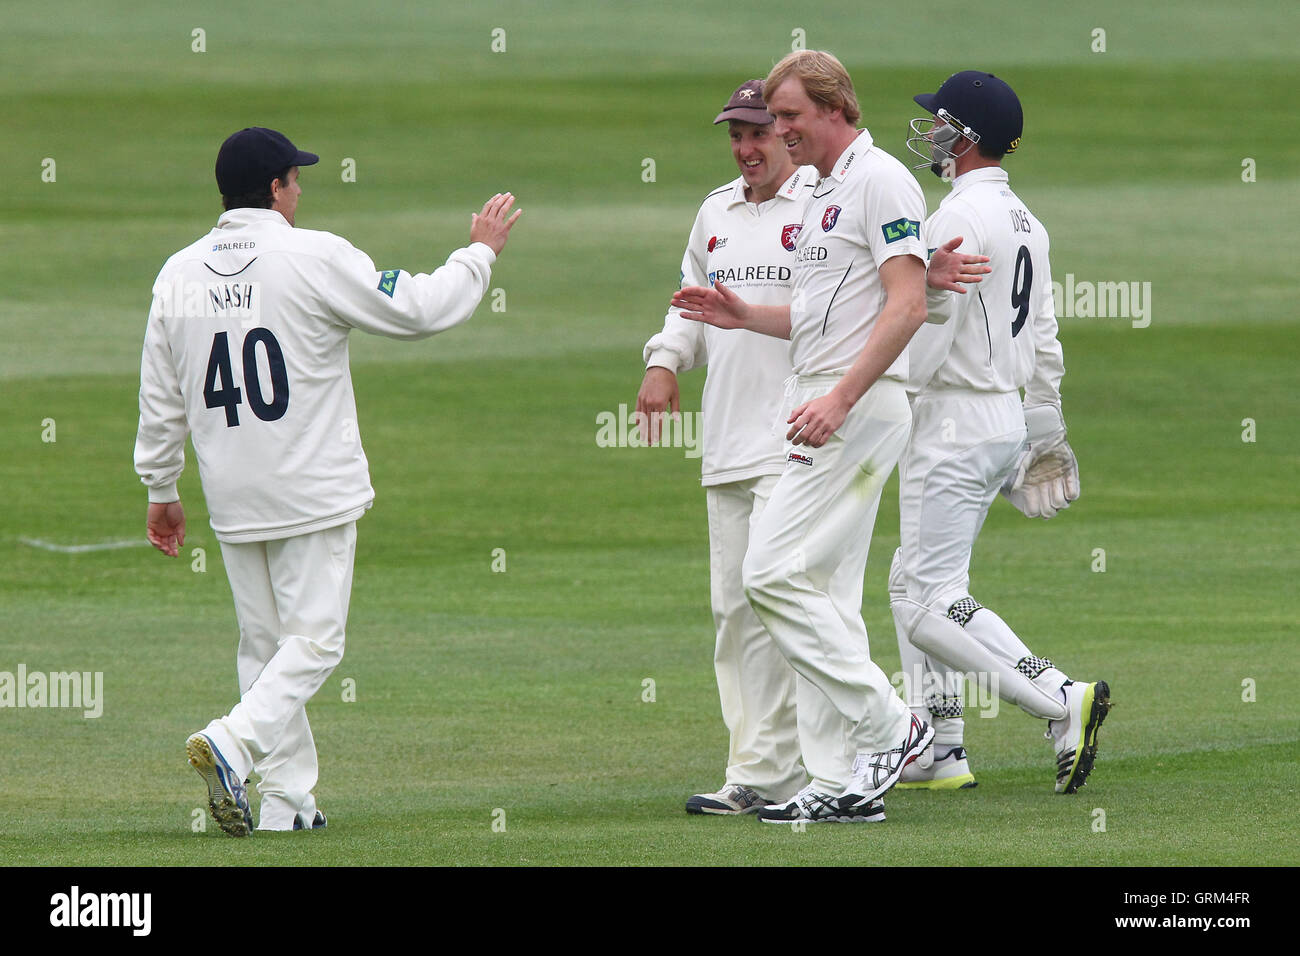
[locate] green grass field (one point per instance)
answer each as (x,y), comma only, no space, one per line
(478,692)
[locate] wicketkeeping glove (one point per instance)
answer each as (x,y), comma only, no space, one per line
(1046,477)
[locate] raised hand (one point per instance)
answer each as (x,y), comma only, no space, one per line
(490,226)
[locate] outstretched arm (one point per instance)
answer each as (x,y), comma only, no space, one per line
(402,305)
(720,307)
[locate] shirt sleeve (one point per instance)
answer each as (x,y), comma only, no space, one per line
(681,344)
(1044,386)
(160,438)
(894,209)
(401,305)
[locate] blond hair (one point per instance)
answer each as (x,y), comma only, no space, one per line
(823,77)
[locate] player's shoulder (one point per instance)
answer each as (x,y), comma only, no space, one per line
(316,242)
(1020,201)
(195,251)
(880,160)
(1021,210)
(883,171)
(720,197)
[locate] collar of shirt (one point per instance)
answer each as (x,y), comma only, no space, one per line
(860,145)
(789,189)
(985,174)
(249,216)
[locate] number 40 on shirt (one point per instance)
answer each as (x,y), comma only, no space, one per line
(220,390)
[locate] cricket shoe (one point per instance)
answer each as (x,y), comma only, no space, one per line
(874,773)
(1075,735)
(813,806)
(731,799)
(948,772)
(318,822)
(227,796)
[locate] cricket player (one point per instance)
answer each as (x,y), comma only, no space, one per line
(744,234)
(969,440)
(246,350)
(858,296)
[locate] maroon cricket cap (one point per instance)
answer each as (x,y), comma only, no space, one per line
(746,105)
(250,159)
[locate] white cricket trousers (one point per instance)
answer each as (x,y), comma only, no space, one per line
(756,684)
(804,569)
(964,444)
(291,599)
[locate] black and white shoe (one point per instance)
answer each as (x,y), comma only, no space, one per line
(731,799)
(318,822)
(875,773)
(1076,735)
(814,806)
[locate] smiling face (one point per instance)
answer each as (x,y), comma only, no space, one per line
(761,157)
(809,132)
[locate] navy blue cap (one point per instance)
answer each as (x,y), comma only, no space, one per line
(984,103)
(250,159)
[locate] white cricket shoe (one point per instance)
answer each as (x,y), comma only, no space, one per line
(731,799)
(948,772)
(874,773)
(814,806)
(1075,735)
(227,795)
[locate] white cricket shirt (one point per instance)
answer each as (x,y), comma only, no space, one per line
(750,249)
(246,349)
(868,210)
(1000,335)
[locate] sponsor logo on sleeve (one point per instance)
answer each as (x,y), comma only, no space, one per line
(716,243)
(829,218)
(388,281)
(901,229)
(789,234)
